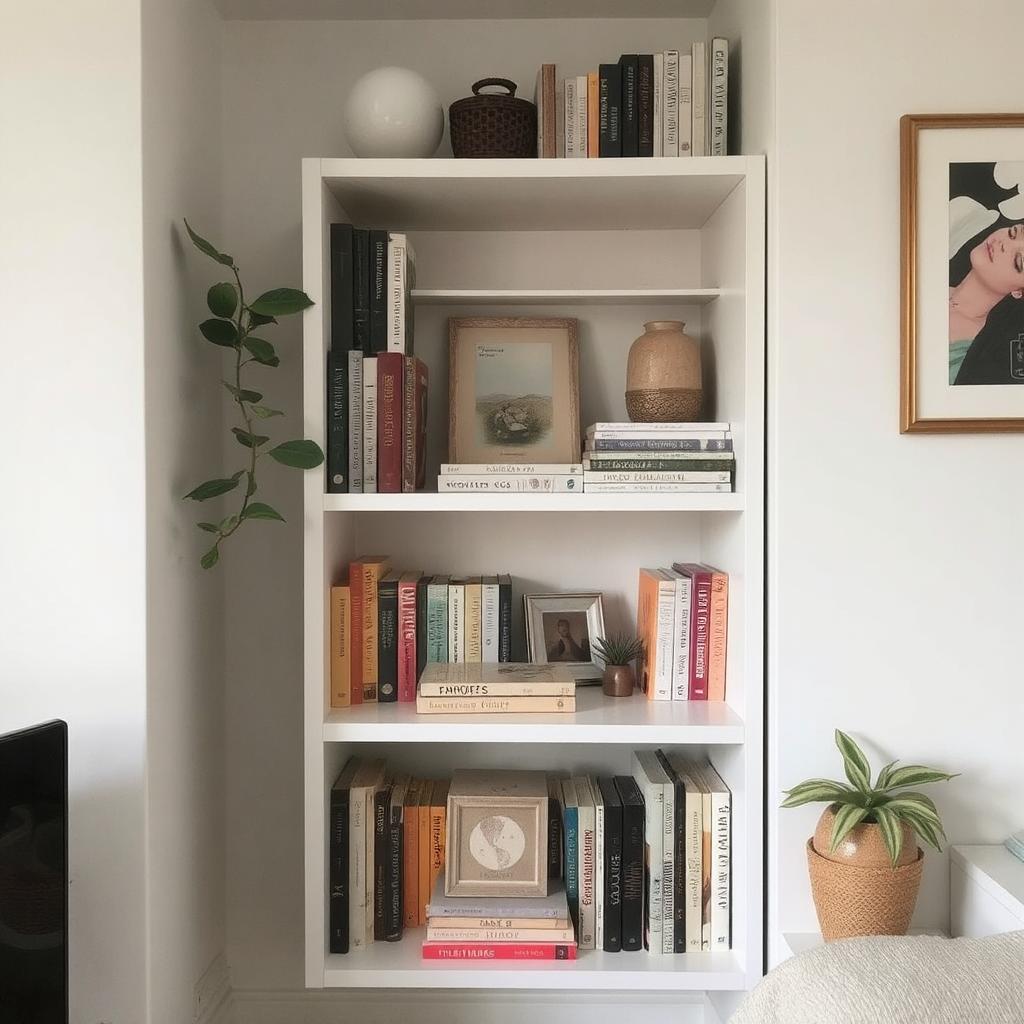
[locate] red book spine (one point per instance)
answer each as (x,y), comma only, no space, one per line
(498,951)
(421,424)
(355,647)
(699,633)
(390,382)
(407,640)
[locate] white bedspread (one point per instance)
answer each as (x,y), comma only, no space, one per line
(920,979)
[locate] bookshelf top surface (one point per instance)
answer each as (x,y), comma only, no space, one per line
(598,719)
(535,195)
(430,501)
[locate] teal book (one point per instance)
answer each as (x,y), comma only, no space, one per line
(437,620)
(571,828)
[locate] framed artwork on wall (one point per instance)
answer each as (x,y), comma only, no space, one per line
(962,251)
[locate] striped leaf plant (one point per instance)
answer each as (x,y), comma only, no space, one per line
(889,803)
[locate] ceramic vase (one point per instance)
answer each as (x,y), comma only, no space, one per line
(393,112)
(663,375)
(618,681)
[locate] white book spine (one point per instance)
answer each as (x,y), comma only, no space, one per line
(641,476)
(598,865)
(512,484)
(685,104)
(370,425)
(693,881)
(357,869)
(587,911)
(668,902)
(559,118)
(656,429)
(664,656)
(511,468)
(699,140)
(581,116)
(721,854)
(489,615)
(670,125)
(719,96)
(654,796)
(681,639)
(658,122)
(355,421)
(658,488)
(368,874)
(456,622)
(396,292)
(571,101)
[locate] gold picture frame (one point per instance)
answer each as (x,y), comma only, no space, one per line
(947,415)
(513,390)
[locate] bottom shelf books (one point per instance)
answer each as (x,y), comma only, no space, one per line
(635,862)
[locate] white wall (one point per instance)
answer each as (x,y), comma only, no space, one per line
(181,91)
(72,525)
(896,583)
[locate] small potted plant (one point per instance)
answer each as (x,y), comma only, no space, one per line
(618,654)
(864,863)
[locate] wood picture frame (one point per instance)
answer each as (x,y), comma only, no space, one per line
(513,390)
(962,234)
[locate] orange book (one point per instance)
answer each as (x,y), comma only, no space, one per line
(593,113)
(365,573)
(410,854)
(438,814)
(423,855)
(718,634)
(341,641)
(655,608)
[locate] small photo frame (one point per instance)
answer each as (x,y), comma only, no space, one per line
(561,629)
(513,390)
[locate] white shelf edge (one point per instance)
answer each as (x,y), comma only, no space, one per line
(430,501)
(566,296)
(802,942)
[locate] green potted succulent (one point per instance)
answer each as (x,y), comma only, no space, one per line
(864,862)
(618,654)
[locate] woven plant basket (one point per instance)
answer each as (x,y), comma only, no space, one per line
(853,901)
(493,125)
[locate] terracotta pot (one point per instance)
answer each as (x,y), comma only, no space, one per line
(618,681)
(856,889)
(663,375)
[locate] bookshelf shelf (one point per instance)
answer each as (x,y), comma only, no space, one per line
(566,297)
(598,719)
(427,501)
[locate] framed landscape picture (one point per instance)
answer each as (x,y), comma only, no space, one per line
(962,346)
(514,391)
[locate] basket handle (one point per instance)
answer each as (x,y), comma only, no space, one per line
(505,83)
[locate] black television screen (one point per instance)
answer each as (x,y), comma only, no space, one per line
(33,876)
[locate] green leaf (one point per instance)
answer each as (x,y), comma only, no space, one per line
(281,302)
(212,488)
(210,559)
(248,439)
(858,771)
(222,299)
(918,802)
(264,413)
(891,831)
(250,486)
(220,332)
(257,320)
(916,815)
(932,836)
(241,393)
(298,454)
(257,510)
(847,817)
(816,791)
(227,523)
(262,351)
(916,775)
(204,246)
(208,527)
(883,775)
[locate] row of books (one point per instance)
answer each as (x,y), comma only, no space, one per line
(376,388)
(386,625)
(665,458)
(484,689)
(683,619)
(670,103)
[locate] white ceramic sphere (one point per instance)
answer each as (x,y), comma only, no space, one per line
(393,112)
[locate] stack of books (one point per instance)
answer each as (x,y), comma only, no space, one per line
(511,478)
(481,689)
(672,103)
(658,458)
(376,387)
(387,625)
(499,928)
(682,616)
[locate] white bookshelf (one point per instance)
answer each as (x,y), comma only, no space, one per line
(613,243)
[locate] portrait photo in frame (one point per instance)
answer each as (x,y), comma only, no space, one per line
(561,629)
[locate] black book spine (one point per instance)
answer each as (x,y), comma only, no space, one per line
(387,641)
(342,337)
(338,872)
(632,864)
(337,422)
(380,862)
(612,867)
(645,105)
(393,916)
(504,618)
(629,63)
(421,625)
(361,289)
(679,858)
(378,288)
(609,136)
(664,465)
(554,838)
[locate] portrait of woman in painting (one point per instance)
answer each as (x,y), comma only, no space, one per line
(986,273)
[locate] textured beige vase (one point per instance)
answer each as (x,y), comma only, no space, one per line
(663,375)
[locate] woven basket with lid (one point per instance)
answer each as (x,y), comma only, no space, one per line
(493,124)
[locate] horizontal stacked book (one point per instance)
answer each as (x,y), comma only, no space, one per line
(376,387)
(672,103)
(481,689)
(388,625)
(511,478)
(658,458)
(682,617)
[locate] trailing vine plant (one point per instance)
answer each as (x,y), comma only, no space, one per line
(232,325)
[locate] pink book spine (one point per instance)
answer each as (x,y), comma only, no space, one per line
(498,951)
(407,640)
(700,628)
(718,635)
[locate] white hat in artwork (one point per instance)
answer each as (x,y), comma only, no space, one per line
(1010,174)
(967,218)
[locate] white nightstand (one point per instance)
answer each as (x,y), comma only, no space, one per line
(986,894)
